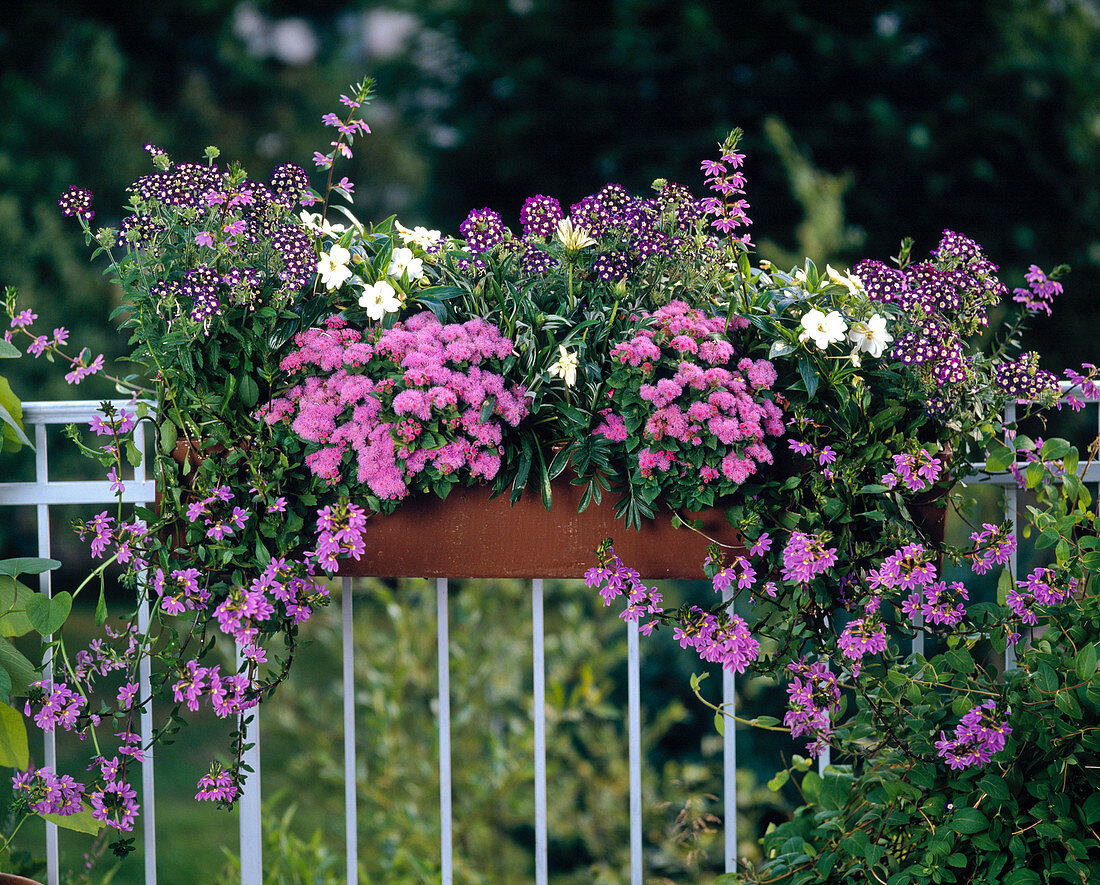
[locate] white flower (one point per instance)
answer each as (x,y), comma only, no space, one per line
(379,299)
(320,225)
(566,366)
(870,337)
(573,238)
(403,261)
(333,266)
(419,236)
(824,329)
(849,280)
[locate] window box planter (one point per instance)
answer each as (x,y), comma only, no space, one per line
(470,535)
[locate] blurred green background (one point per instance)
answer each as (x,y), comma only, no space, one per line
(865,122)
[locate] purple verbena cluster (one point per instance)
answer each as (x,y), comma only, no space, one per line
(374,398)
(76,202)
(1022,380)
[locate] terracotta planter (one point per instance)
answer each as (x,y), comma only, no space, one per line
(471,536)
(12,879)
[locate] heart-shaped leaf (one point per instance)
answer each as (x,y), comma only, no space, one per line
(27,565)
(47,613)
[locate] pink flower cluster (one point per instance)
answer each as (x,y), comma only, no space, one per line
(678,372)
(228,694)
(406,402)
(812,697)
(979,734)
(217,786)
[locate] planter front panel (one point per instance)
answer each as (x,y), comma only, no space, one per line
(471,536)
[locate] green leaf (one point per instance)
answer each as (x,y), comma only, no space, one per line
(1004,584)
(81,822)
(1085,662)
(27,565)
(765,721)
(249,391)
(809,375)
(1000,458)
(777,782)
(1034,474)
(13,604)
(1022,877)
(47,614)
(968,820)
(1055,449)
(21,671)
(101,607)
(13,739)
(169,433)
(811,786)
(8,350)
(11,414)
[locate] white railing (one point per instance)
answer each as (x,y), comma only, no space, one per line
(42,493)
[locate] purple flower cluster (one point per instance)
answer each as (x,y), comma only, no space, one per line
(76,202)
(812,697)
(937,603)
(1023,380)
(340,530)
(1040,588)
(677,371)
(616,579)
(993,545)
(1040,293)
(805,557)
(112,800)
(483,229)
(720,639)
(861,637)
(945,300)
(47,793)
(909,568)
(54,704)
(979,734)
(727,181)
(375,398)
(539,217)
(917,473)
